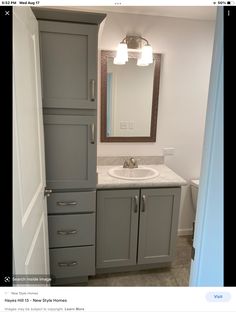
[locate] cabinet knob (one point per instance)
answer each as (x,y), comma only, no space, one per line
(144,203)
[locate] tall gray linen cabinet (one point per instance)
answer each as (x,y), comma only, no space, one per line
(68,56)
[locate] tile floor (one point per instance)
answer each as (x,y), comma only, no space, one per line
(176,275)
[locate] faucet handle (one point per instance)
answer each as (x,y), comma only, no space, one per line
(126,164)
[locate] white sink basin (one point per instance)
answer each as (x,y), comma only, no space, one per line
(140,173)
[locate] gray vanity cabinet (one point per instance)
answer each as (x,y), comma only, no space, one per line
(117,221)
(69,64)
(136,227)
(70,151)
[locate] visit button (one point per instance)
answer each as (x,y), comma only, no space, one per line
(218,296)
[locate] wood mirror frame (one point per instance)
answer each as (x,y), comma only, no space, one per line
(156,80)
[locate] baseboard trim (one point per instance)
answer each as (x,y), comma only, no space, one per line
(183,232)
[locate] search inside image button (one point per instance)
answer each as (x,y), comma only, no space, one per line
(217,296)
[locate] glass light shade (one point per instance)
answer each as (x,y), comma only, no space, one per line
(147,54)
(142,62)
(121,54)
(118,61)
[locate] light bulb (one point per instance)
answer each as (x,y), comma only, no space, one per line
(118,61)
(142,62)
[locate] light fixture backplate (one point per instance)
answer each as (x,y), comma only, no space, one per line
(133,41)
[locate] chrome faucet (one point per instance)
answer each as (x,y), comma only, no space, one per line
(132,163)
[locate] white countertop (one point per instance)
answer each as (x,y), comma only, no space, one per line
(166,178)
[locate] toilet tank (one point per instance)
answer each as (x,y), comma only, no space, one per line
(194,191)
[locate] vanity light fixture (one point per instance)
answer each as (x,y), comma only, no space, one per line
(134,42)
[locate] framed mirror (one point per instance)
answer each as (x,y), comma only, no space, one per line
(129,99)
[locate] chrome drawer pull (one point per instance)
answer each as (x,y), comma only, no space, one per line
(66,203)
(144,203)
(92,86)
(92,133)
(66,232)
(68,264)
(136,204)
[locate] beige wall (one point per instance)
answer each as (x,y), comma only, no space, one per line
(186,48)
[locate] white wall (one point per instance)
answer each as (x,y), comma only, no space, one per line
(186,48)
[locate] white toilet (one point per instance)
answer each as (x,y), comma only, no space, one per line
(194,184)
(194,191)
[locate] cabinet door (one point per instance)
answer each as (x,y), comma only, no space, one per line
(70,149)
(69,64)
(117,227)
(159,213)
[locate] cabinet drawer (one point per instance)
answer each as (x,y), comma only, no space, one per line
(72,202)
(72,262)
(71,230)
